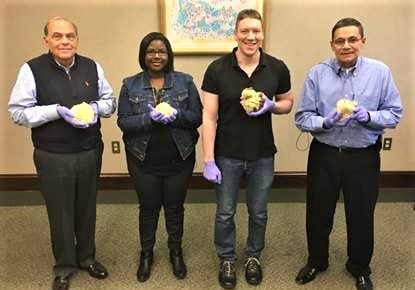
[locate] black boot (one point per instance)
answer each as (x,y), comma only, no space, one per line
(177,262)
(144,270)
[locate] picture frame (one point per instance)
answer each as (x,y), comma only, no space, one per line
(203,26)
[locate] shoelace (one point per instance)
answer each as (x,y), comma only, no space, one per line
(252,264)
(227,267)
(362,280)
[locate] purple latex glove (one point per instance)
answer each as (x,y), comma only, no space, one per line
(212,173)
(361,115)
(332,118)
(95,109)
(154,115)
(268,105)
(67,115)
(168,119)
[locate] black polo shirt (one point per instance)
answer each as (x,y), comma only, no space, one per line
(239,135)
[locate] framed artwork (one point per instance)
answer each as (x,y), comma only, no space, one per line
(203,26)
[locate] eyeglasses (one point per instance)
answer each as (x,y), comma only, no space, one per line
(153,52)
(342,41)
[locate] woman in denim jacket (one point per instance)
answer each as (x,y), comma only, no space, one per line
(160,147)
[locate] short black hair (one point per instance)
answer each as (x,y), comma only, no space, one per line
(145,42)
(347,22)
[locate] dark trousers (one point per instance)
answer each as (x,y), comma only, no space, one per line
(356,172)
(68,183)
(153,192)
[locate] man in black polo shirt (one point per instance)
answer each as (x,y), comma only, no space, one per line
(237,143)
(67,151)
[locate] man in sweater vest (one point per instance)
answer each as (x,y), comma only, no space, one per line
(67,148)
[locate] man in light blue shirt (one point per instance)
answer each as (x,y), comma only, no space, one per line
(344,153)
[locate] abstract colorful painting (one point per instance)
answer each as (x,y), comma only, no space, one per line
(202,26)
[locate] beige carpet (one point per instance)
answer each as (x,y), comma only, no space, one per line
(26,259)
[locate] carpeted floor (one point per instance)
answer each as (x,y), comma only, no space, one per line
(26,259)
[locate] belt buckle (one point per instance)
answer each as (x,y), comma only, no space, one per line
(346,149)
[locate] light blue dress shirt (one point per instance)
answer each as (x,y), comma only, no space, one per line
(369,83)
(25,111)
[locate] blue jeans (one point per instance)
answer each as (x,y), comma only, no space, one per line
(259,175)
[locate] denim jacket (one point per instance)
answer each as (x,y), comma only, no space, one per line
(134,119)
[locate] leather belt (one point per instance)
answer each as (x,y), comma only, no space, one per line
(375,146)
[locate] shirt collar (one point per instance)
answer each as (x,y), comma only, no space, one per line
(340,69)
(234,61)
(67,69)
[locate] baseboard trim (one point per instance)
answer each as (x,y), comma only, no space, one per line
(16,182)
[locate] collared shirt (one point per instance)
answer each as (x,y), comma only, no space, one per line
(23,106)
(67,69)
(369,83)
(239,135)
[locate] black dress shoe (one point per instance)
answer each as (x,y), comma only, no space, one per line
(307,274)
(253,271)
(363,283)
(177,262)
(144,269)
(60,283)
(96,270)
(227,276)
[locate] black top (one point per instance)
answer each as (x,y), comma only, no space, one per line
(162,155)
(239,135)
(55,86)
